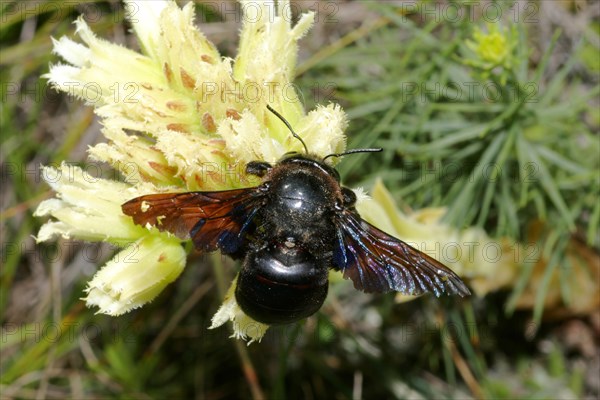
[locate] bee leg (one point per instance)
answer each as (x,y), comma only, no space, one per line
(349,197)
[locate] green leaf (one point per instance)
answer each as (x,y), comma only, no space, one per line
(553,252)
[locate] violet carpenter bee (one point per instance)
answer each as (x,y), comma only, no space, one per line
(289,231)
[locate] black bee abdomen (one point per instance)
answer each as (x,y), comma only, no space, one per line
(281,285)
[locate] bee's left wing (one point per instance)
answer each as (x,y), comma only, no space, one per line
(378,262)
(213,220)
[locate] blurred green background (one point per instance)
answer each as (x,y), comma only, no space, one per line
(411,83)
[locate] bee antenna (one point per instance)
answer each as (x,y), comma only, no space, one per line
(294,134)
(375,150)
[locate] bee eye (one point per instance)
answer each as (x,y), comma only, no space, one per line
(258,168)
(349,197)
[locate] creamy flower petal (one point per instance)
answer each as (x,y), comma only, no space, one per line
(330,119)
(87,207)
(65,78)
(136,275)
(266,60)
(248,140)
(186,49)
(268,45)
(144,17)
(75,53)
(191,65)
(135,157)
(203,164)
(104,70)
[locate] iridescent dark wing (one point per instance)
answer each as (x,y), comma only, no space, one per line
(213,220)
(378,262)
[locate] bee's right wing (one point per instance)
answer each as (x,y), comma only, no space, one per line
(378,262)
(213,220)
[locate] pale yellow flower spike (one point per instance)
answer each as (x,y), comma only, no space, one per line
(201,117)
